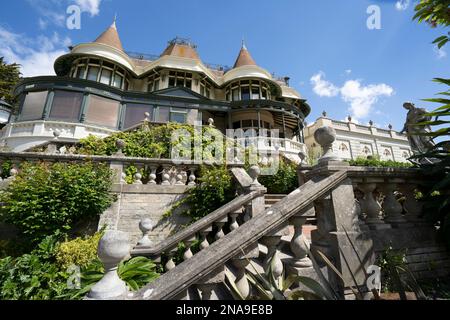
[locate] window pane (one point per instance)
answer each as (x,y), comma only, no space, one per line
(236,125)
(66,105)
(118,79)
(135,113)
(156,87)
(102,111)
(245,93)
(163,114)
(33,106)
(255,93)
(106,76)
(81,72)
(264,94)
(178,117)
(93,73)
(188,84)
(235,94)
(171,82)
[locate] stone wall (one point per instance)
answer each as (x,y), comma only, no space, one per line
(152,201)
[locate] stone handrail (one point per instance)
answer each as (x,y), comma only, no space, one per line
(190,232)
(191,271)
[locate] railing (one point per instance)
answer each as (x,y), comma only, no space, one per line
(262,228)
(163,172)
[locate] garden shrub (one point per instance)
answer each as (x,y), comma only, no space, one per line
(48,199)
(80,252)
(376,162)
(284,181)
(213,190)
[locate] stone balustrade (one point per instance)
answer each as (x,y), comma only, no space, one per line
(162,172)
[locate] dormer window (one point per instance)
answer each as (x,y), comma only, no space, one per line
(180,79)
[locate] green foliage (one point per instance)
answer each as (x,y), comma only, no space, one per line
(376,162)
(47,199)
(435,13)
(284,181)
(33,276)
(436,190)
(80,252)
(213,190)
(9,77)
(136,272)
(151,142)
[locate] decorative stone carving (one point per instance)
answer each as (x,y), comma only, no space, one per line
(146,226)
(298,244)
(254,173)
(113,247)
(325,136)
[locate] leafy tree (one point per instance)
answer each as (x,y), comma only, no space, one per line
(435,13)
(9,77)
(437,194)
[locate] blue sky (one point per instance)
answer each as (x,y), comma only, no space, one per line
(324,46)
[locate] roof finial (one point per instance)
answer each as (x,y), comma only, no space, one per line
(114,22)
(243,44)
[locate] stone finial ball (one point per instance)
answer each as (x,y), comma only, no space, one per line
(56,133)
(120,144)
(146,225)
(325,135)
(147,114)
(113,246)
(211,121)
(254,172)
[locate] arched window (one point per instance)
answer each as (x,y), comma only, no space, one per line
(386,153)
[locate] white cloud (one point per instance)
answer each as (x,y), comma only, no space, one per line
(348,71)
(402,5)
(440,53)
(362,98)
(90,6)
(36,56)
(323,88)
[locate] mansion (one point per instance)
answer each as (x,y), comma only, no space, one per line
(99,89)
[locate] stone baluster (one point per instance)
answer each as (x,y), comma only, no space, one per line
(272,261)
(179,177)
(170,264)
(192,177)
(113,247)
(220,234)
(152,175)
(371,207)
(204,237)
(137,178)
(165,176)
(241,280)
(391,207)
(146,226)
(298,244)
(206,291)
(188,244)
(233,219)
(413,208)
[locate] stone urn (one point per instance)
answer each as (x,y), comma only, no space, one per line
(113,247)
(325,136)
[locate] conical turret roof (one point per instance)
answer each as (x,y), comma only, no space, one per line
(111,37)
(181,48)
(244,58)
